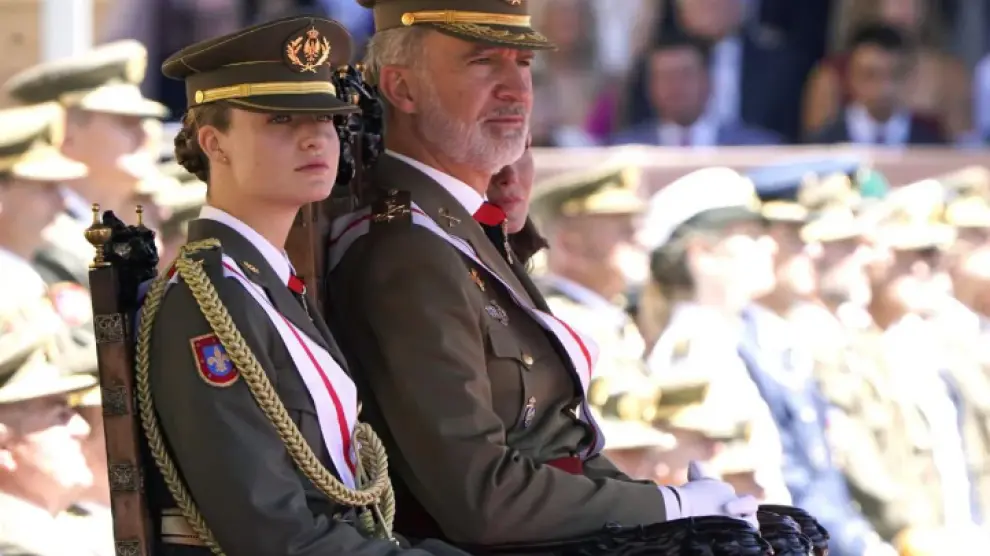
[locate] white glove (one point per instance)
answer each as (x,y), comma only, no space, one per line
(703,496)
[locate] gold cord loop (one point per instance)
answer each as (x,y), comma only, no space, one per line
(374,496)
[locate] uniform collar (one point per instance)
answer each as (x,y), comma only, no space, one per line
(76,205)
(584,296)
(274,256)
(462,192)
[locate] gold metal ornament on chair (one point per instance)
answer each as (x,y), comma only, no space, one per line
(98,234)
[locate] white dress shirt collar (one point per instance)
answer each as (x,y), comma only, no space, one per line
(275,257)
(702,133)
(470,199)
(863,129)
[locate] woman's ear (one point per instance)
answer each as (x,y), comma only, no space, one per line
(210,141)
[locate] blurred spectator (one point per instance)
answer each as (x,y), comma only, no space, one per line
(565,80)
(756,76)
(679,88)
(937,85)
(876,73)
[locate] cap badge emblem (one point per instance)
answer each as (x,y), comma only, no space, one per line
(514,2)
(307,52)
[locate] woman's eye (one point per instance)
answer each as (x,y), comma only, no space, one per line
(324,118)
(280,119)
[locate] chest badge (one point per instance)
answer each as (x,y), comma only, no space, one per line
(476,278)
(529,412)
(451,219)
(497,313)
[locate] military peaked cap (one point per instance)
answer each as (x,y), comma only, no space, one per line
(29,137)
(500,23)
(284,65)
(610,189)
(103,79)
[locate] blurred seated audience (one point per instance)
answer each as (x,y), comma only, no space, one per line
(880,61)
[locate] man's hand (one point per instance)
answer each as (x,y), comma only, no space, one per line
(703,495)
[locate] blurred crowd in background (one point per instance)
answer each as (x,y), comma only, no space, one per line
(814,330)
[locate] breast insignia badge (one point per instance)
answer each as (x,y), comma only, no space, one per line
(451,219)
(212,361)
(476,278)
(250,267)
(497,313)
(529,412)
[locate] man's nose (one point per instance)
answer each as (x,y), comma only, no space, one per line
(515,83)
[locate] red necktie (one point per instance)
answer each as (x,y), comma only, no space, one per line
(489,215)
(296,285)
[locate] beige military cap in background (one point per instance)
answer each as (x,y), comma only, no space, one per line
(27,342)
(687,405)
(29,140)
(104,79)
(624,409)
(832,204)
(609,189)
(967,198)
(911,217)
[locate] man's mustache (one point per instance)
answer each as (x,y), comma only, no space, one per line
(517,110)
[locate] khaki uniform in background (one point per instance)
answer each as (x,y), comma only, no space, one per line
(556,204)
(27,374)
(103,80)
(878,436)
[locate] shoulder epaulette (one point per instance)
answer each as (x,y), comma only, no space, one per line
(392,207)
(209,252)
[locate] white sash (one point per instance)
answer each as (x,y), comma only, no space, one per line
(582,352)
(332,390)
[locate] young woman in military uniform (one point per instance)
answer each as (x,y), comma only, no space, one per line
(254,417)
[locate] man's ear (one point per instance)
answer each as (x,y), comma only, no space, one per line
(394,83)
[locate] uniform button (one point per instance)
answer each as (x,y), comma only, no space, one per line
(527,359)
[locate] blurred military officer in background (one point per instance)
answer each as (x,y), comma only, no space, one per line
(782,366)
(42,468)
(89,519)
(710,260)
(31,172)
(104,130)
(178,204)
(625,407)
(968,262)
(704,434)
(910,225)
(587,218)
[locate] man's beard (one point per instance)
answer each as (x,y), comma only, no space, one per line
(471,144)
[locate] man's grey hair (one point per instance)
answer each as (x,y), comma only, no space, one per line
(393,47)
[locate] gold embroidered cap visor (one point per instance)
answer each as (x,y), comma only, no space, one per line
(28,139)
(280,66)
(499,23)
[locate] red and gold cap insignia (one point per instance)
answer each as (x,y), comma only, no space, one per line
(307,51)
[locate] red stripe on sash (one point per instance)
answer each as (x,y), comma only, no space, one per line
(338,409)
